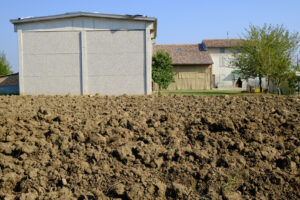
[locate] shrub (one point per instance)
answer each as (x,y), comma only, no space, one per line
(162,69)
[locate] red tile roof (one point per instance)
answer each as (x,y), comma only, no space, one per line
(185,54)
(222,43)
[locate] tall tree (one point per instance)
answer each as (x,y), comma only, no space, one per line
(266,52)
(162,69)
(281,47)
(5,67)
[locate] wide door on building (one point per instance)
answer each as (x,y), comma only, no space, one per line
(116,62)
(51,62)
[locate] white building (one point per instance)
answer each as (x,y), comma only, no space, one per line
(85,53)
(221,51)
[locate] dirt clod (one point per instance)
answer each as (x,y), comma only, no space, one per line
(149,147)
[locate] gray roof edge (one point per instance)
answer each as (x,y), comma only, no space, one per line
(83,14)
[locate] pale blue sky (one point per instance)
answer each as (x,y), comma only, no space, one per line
(179,21)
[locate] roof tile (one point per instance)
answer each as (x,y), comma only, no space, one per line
(188,54)
(11,79)
(222,43)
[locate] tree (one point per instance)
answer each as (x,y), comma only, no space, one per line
(266,52)
(5,67)
(162,69)
(293,82)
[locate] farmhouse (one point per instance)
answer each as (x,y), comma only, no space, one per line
(85,53)
(192,66)
(221,51)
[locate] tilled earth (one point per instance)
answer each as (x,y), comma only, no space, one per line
(149,147)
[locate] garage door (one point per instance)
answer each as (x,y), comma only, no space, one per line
(52,62)
(115,62)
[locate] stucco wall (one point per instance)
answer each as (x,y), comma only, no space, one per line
(222,68)
(85,55)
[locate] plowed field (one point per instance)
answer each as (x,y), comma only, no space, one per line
(149,147)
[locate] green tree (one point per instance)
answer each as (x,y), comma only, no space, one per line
(293,81)
(162,69)
(266,52)
(5,67)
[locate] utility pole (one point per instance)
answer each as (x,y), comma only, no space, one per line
(298,67)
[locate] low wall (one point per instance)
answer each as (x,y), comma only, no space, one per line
(11,89)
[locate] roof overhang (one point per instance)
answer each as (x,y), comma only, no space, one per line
(191,64)
(186,54)
(87,14)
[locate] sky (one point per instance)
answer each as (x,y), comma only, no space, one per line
(179,21)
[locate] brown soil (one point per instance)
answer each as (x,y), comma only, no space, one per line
(149,147)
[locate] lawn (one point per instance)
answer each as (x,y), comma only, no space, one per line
(208,92)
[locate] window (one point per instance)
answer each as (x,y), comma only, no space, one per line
(221,61)
(222,50)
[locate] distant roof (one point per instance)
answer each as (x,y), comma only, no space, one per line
(222,43)
(10,79)
(13,74)
(188,54)
(86,14)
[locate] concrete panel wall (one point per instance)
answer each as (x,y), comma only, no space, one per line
(51,63)
(116,62)
(116,85)
(85,55)
(51,42)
